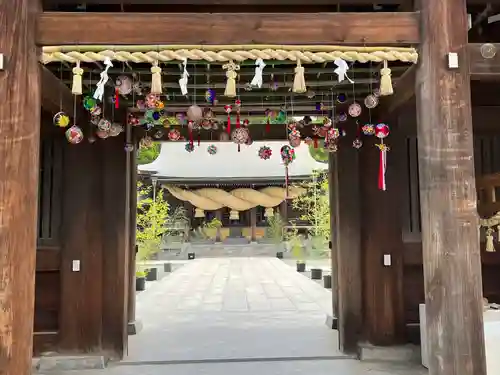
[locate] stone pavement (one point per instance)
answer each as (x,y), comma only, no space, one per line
(238,316)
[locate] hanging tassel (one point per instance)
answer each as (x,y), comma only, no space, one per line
(117,98)
(156,79)
(199,138)
(259,69)
(231,75)
(385,81)
(268,125)
(76,88)
(382,165)
(490,247)
(190,132)
(99,91)
(228,108)
(184,78)
(299,82)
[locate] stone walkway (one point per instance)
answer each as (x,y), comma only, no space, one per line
(238,316)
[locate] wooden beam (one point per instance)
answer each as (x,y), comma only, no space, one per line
(224,2)
(450,238)
(227,28)
(19,171)
(346,246)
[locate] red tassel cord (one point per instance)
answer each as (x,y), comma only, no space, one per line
(238,124)
(315,141)
(199,137)
(229,124)
(268,126)
(117,98)
(286,181)
(382,166)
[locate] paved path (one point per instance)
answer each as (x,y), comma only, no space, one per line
(234,308)
(241,316)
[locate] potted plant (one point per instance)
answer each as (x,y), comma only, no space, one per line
(140,281)
(297,247)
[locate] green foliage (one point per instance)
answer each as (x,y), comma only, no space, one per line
(314,205)
(214,223)
(148,155)
(152,219)
(275,228)
(318,153)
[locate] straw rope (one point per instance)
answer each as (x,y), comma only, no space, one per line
(150,54)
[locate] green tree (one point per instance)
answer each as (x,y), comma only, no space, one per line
(152,219)
(314,205)
(148,155)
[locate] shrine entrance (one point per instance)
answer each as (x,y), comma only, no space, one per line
(123,83)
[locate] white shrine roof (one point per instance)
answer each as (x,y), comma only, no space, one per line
(174,163)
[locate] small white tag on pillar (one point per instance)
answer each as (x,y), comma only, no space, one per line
(75,267)
(453,60)
(387,260)
(469,20)
(1,62)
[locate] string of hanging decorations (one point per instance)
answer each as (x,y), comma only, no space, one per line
(152,114)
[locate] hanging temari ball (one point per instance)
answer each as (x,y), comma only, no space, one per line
(194,113)
(104,125)
(287,154)
(240,135)
(212,149)
(174,135)
(265,152)
(354,109)
(368,129)
(124,85)
(61,119)
(381,130)
(74,135)
(189,147)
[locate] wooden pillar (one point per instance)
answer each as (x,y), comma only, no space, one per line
(383,309)
(115,247)
(253,224)
(80,317)
(332,180)
(450,236)
(20,139)
(132,196)
(346,246)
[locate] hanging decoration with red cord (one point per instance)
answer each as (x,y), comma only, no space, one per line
(228,108)
(381,132)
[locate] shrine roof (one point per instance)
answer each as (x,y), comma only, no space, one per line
(176,165)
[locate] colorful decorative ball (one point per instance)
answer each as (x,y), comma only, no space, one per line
(158,134)
(327,122)
(368,129)
(174,135)
(129,147)
(240,135)
(287,154)
(228,108)
(189,147)
(89,102)
(140,104)
(357,143)
(371,101)
(381,130)
(151,100)
(206,124)
(74,135)
(208,114)
(265,152)
(181,118)
(102,134)
(333,133)
(341,98)
(104,125)
(295,141)
(354,110)
(148,125)
(61,119)
(165,121)
(237,104)
(115,130)
(210,96)
(342,117)
(159,104)
(133,120)
(96,111)
(246,123)
(212,149)
(124,85)
(194,113)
